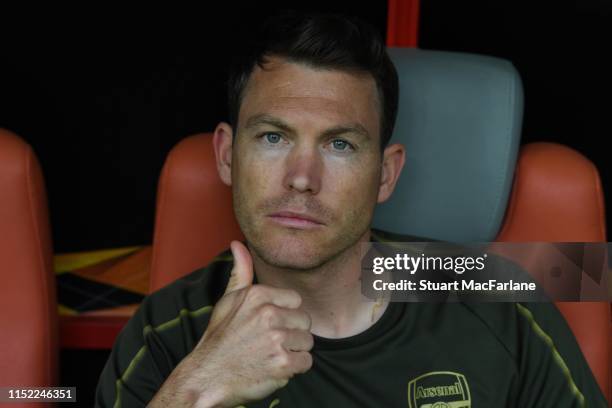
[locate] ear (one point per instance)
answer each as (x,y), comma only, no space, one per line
(222,142)
(393,160)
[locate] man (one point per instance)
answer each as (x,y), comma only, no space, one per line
(312,108)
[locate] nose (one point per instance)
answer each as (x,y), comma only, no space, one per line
(304,167)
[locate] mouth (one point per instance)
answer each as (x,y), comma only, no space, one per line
(295,220)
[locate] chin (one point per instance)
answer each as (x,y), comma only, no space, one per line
(293,251)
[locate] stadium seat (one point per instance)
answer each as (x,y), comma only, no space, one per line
(28,306)
(194,219)
(466,179)
(548,174)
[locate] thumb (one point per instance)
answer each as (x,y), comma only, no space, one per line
(242,271)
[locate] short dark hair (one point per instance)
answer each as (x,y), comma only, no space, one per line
(328,41)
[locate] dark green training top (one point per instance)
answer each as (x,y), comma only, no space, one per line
(417,355)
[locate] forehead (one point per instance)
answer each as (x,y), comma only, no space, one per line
(294,89)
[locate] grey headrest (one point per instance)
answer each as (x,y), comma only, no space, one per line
(460,118)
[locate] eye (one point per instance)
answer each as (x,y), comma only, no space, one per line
(272,138)
(341,145)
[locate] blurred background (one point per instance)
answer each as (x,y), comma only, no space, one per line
(102,101)
(102,96)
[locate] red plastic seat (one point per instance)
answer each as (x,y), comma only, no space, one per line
(28,306)
(557,197)
(194,219)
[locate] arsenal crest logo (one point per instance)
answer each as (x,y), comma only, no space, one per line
(439,389)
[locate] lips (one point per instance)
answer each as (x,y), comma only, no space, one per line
(295,219)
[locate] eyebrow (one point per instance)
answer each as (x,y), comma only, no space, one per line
(265,119)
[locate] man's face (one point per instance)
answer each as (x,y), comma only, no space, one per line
(307,146)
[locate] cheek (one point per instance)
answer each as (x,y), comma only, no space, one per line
(253,177)
(354,186)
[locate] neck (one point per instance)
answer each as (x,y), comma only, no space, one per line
(331,293)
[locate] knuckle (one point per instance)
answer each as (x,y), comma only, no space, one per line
(277,337)
(268,314)
(255,294)
(283,362)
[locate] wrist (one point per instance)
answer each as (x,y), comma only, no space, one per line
(209,399)
(200,390)
(184,389)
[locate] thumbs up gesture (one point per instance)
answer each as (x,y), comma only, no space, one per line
(256,340)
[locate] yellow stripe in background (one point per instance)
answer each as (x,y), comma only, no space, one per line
(66,311)
(63,263)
